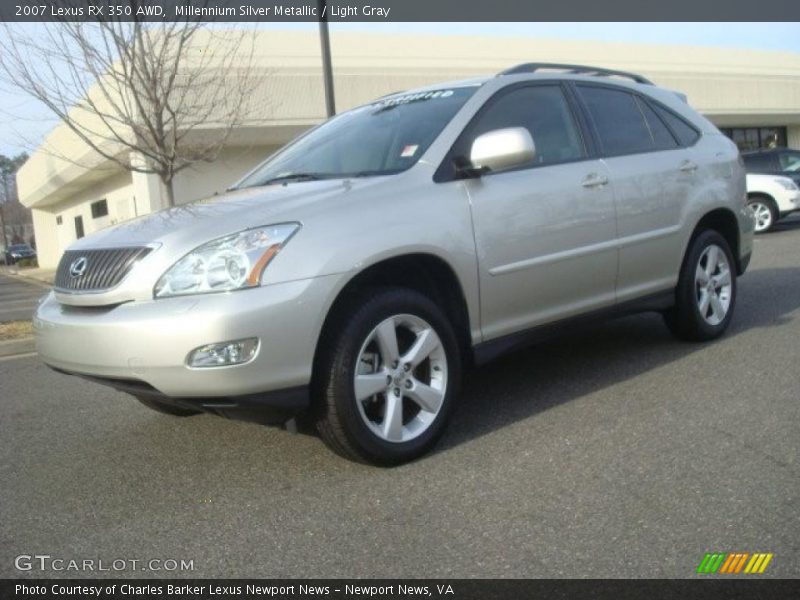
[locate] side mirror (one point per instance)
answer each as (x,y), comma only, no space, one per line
(502,149)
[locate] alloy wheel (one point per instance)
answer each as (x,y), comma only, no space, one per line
(762,216)
(713,285)
(400,379)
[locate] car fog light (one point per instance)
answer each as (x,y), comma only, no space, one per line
(223,354)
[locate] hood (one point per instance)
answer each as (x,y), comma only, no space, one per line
(175,232)
(187,226)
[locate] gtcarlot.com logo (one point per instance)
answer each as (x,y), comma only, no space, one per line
(734,563)
(46,562)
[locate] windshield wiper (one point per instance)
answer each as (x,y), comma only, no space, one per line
(293,177)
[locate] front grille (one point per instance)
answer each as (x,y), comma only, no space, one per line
(104,268)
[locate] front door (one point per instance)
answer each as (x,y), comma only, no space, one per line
(544,232)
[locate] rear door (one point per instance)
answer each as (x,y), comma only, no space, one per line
(652,174)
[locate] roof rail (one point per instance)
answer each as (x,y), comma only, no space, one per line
(576,69)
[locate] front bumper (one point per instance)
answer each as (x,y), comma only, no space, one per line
(147,343)
(789,204)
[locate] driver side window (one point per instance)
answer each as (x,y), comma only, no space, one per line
(544,112)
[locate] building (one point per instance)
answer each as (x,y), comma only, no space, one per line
(754,96)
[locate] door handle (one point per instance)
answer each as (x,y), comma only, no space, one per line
(594,180)
(688,166)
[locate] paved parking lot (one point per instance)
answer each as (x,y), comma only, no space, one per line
(18,298)
(616,452)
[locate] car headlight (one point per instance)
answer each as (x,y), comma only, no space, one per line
(233,262)
(786,183)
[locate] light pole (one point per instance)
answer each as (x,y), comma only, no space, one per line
(327,69)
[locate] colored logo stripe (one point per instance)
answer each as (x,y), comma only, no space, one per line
(734,562)
(758,563)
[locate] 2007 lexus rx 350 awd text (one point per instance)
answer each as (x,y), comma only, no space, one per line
(350,279)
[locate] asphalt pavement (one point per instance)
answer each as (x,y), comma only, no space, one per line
(18,298)
(614,452)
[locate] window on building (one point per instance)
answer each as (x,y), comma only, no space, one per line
(59,220)
(99,209)
(754,138)
(619,122)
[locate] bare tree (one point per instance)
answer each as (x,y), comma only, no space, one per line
(149,97)
(8,190)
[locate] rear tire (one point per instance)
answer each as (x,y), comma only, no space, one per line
(764,211)
(706,293)
(387,377)
(167,409)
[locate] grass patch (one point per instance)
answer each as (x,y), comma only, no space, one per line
(26,263)
(15,329)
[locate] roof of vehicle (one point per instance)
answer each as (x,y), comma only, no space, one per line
(766,151)
(534,71)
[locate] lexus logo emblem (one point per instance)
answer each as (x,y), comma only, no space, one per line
(78,267)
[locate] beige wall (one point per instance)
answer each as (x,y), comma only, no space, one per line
(52,239)
(123,192)
(793,137)
(207,179)
(732,87)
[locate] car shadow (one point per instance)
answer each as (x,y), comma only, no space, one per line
(510,389)
(790,223)
(530,381)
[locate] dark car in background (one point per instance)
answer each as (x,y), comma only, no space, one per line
(18,252)
(774,161)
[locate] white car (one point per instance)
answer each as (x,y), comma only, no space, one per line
(770,198)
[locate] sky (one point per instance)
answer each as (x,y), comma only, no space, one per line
(24,123)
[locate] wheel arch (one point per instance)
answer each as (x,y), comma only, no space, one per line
(426,273)
(725,222)
(766,196)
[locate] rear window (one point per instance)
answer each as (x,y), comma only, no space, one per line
(620,124)
(760,162)
(686,134)
(662,137)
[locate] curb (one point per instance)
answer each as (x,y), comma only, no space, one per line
(20,346)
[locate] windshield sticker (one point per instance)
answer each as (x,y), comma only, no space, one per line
(419,96)
(409,151)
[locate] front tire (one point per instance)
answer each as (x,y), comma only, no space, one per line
(387,378)
(765,214)
(706,293)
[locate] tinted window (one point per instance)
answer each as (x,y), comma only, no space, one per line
(618,120)
(99,209)
(760,162)
(790,162)
(686,134)
(661,136)
(387,136)
(543,111)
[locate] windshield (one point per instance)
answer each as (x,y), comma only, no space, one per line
(385,137)
(790,162)
(19,247)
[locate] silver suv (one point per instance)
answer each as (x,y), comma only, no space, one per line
(349,280)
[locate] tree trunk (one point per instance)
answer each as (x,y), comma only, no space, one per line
(3,228)
(169,192)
